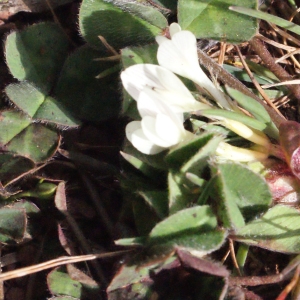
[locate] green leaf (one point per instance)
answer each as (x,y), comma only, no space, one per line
(144,12)
(236,189)
(277,230)
(199,161)
(83,95)
(248,103)
(60,283)
(183,152)
(202,242)
(11,124)
(139,55)
(199,126)
(158,201)
(145,216)
(38,105)
(12,224)
(136,24)
(36,142)
(242,75)
(33,213)
(272,94)
(154,162)
(240,117)
(135,241)
(262,72)
(256,109)
(12,166)
(131,282)
(180,196)
(92,164)
(212,19)
(200,218)
(193,228)
(170,4)
(36,54)
(267,17)
(143,167)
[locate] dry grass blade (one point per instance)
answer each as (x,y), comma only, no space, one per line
(233,257)
(108,46)
(285,34)
(290,286)
(266,86)
(275,44)
(297,51)
(57,262)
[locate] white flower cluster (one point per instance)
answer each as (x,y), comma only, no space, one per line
(162,98)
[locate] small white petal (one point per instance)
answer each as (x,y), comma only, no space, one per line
(150,130)
(170,57)
(135,135)
(148,105)
(186,43)
(174,28)
(160,39)
(132,88)
(136,77)
(168,130)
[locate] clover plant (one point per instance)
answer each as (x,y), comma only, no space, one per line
(202,164)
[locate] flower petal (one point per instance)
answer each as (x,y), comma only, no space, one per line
(135,135)
(174,28)
(170,57)
(136,77)
(168,130)
(150,130)
(148,105)
(186,43)
(145,81)
(179,55)
(160,39)
(227,151)
(246,132)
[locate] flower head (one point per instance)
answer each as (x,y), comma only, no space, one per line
(154,134)
(179,55)
(148,84)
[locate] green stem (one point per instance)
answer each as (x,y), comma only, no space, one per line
(241,256)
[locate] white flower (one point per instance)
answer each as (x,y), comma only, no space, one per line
(248,133)
(156,133)
(227,151)
(149,84)
(179,55)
